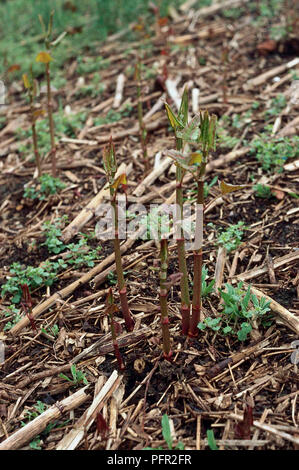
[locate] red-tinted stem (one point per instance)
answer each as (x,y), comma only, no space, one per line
(163,299)
(197,256)
(27,305)
(196,302)
(120,363)
(120,274)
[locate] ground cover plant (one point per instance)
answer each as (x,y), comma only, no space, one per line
(173,329)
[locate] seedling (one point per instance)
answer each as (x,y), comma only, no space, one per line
(276,106)
(47,185)
(39,408)
(166,433)
(273,153)
(206,288)
(77,375)
(45,275)
(142,129)
(30,85)
(211,440)
(114,184)
(53,232)
(111,309)
(263,191)
(14,315)
(52,331)
(237,317)
(231,237)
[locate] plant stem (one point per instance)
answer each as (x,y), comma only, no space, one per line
(34,138)
(51,122)
(111,308)
(197,255)
(185,297)
(119,270)
(163,299)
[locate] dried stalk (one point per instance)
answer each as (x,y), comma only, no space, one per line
(35,427)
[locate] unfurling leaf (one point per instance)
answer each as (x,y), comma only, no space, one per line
(37,113)
(26,81)
(13,68)
(109,159)
(120,181)
(242,429)
(184,161)
(102,426)
(43,57)
(229,188)
(196,158)
(174,121)
(183,111)
(190,133)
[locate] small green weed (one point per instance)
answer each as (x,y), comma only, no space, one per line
(78,254)
(91,64)
(15,317)
(44,275)
(231,237)
(53,232)
(211,440)
(52,331)
(273,153)
(166,433)
(77,376)
(240,310)
(206,289)
(66,125)
(262,191)
(46,186)
(276,106)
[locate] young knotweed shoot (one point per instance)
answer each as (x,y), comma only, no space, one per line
(142,129)
(45,58)
(178,123)
(111,309)
(206,140)
(114,184)
(30,85)
(27,305)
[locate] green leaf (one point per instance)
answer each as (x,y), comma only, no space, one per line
(244,331)
(183,111)
(174,121)
(211,440)
(227,330)
(190,132)
(166,431)
(246,298)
